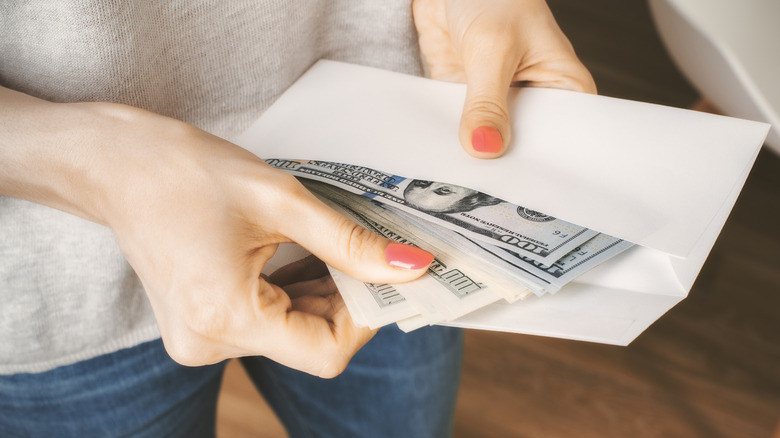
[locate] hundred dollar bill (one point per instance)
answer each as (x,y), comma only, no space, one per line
(511,273)
(372,305)
(390,223)
(412,323)
(477,215)
(449,290)
(580,260)
(538,277)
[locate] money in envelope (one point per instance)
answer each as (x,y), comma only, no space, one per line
(486,249)
(646,187)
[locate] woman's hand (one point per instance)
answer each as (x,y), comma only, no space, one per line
(489,44)
(206,216)
(197,217)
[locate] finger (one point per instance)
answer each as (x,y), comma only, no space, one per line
(313,334)
(489,66)
(349,247)
(307,268)
(324,336)
(440,55)
(325,307)
(321,286)
(565,72)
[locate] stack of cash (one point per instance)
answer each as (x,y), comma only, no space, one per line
(485,249)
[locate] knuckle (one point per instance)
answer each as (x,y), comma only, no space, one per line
(333,366)
(195,323)
(484,107)
(276,188)
(207,318)
(335,302)
(345,344)
(355,240)
(584,83)
(572,75)
(325,287)
(201,339)
(181,355)
(187,350)
(289,183)
(484,37)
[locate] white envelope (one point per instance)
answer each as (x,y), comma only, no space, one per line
(663,178)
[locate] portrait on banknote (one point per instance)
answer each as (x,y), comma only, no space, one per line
(436,197)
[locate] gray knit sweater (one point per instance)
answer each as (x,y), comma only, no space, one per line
(67,293)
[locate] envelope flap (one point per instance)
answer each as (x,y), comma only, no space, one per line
(653,175)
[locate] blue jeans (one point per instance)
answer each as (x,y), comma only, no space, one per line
(398,385)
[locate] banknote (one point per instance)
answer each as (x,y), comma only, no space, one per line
(466,274)
(449,289)
(580,260)
(477,215)
(512,273)
(372,305)
(389,222)
(538,277)
(419,303)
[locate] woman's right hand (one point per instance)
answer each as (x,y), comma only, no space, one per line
(197,217)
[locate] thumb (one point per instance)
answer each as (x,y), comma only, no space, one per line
(484,126)
(353,249)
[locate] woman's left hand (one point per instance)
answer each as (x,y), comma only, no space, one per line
(489,44)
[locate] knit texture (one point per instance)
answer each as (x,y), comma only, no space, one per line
(67,293)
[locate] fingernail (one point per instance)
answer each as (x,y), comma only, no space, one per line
(486,139)
(407,257)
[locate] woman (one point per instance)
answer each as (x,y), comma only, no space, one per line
(125,218)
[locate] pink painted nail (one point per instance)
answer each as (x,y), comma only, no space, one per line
(407,257)
(486,139)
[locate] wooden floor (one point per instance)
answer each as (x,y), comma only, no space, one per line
(709,368)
